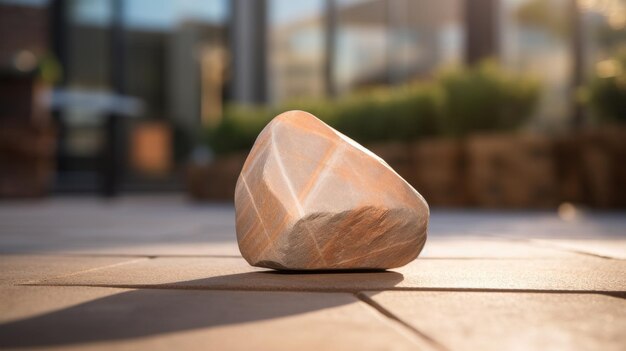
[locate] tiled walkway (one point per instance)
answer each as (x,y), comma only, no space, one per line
(160,273)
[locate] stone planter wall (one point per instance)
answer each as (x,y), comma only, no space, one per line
(602,167)
(215,181)
(487,171)
(26,160)
(397,155)
(436,171)
(511,171)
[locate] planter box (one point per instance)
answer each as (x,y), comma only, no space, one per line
(493,171)
(438,172)
(511,171)
(602,157)
(151,145)
(397,155)
(215,181)
(567,151)
(26,160)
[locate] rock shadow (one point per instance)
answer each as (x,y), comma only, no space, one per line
(186,305)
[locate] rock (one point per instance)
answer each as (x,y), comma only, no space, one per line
(310,198)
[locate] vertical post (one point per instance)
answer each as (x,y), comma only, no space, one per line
(330,33)
(58,32)
(481,28)
(577,63)
(389,38)
(396,11)
(111,156)
(248,38)
(58,40)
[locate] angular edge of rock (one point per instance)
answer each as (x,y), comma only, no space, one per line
(306,208)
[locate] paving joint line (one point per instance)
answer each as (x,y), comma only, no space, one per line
(490,258)
(617,295)
(240,257)
(388,314)
(65,254)
(174,286)
(39,281)
(544,244)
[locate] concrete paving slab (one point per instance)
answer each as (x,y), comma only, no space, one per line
(512,321)
(19,269)
(526,224)
(127,224)
(23,302)
(486,280)
(610,248)
(584,274)
(481,247)
(226,248)
(455,247)
(73,224)
(103,318)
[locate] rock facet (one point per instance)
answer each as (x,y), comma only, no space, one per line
(310,198)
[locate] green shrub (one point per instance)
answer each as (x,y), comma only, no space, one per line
(460,101)
(238,128)
(400,113)
(485,98)
(607,90)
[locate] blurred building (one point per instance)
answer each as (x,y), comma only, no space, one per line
(376,43)
(140,79)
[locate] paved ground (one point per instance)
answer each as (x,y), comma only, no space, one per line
(160,273)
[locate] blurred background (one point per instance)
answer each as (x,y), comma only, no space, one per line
(477,103)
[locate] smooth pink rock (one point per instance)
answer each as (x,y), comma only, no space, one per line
(310,198)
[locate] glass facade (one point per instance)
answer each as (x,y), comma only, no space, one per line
(168,68)
(391,42)
(173,61)
(296,49)
(536,40)
(605,34)
(376,42)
